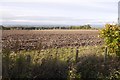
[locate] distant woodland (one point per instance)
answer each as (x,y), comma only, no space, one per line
(44,27)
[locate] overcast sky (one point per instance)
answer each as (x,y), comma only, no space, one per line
(58,11)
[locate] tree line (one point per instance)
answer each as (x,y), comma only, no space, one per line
(44,27)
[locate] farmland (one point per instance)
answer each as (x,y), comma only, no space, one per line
(57,54)
(27,39)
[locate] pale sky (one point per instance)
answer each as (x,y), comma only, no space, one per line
(65,12)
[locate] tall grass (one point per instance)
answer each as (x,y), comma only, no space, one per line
(60,63)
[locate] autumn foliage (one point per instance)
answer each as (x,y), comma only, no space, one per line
(111,36)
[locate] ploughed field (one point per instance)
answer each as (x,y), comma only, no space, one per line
(35,39)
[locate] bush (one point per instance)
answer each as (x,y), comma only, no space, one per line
(21,65)
(51,69)
(111,36)
(93,67)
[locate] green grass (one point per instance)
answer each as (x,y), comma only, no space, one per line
(62,53)
(60,62)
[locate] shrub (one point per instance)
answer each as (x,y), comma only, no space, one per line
(93,67)
(22,65)
(111,36)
